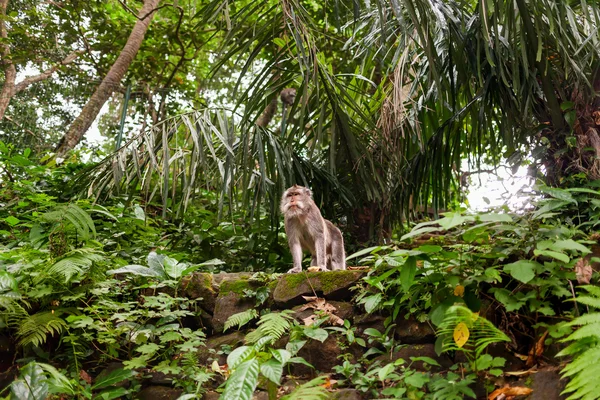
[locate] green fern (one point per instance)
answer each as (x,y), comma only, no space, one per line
(583,371)
(311,390)
(35,328)
(240,319)
(482,332)
(74,263)
(81,220)
(272,325)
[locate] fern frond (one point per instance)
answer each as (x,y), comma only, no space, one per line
(592,318)
(584,369)
(311,390)
(35,328)
(240,319)
(481,331)
(81,220)
(75,262)
(272,324)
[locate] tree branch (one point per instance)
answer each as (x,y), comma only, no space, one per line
(47,73)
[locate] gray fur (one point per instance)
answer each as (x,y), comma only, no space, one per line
(306,229)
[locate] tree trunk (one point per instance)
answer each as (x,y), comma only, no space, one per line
(113,78)
(10,72)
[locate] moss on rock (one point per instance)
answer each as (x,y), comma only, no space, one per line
(292,286)
(237,286)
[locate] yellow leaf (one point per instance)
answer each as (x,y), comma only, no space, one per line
(459,290)
(461,334)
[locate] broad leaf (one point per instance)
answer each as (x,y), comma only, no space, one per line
(522,270)
(242,382)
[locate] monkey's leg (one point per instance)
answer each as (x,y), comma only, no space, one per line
(321,255)
(313,261)
(296,250)
(338,257)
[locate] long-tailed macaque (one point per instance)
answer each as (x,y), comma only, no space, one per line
(287,96)
(306,229)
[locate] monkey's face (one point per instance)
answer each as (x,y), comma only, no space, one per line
(295,201)
(288,96)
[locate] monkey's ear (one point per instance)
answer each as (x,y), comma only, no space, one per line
(308,192)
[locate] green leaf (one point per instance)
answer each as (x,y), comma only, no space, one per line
(173,268)
(570,244)
(522,270)
(139,212)
(316,333)
(426,360)
(135,270)
(371,302)
(148,348)
(407,273)
(493,217)
(12,221)
(112,393)
(242,382)
(554,254)
(557,193)
(418,232)
(429,248)
(454,219)
(113,377)
(417,379)
(239,355)
(281,355)
(31,385)
(385,371)
(368,250)
(272,370)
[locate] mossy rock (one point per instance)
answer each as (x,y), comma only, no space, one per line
(200,285)
(237,287)
(332,284)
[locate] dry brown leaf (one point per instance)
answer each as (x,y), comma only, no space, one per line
(335,320)
(329,383)
(536,351)
(520,373)
(583,271)
(521,357)
(358,268)
(85,376)
(510,391)
(318,303)
(313,269)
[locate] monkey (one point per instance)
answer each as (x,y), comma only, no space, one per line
(306,229)
(287,96)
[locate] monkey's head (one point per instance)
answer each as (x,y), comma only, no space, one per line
(296,201)
(288,96)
